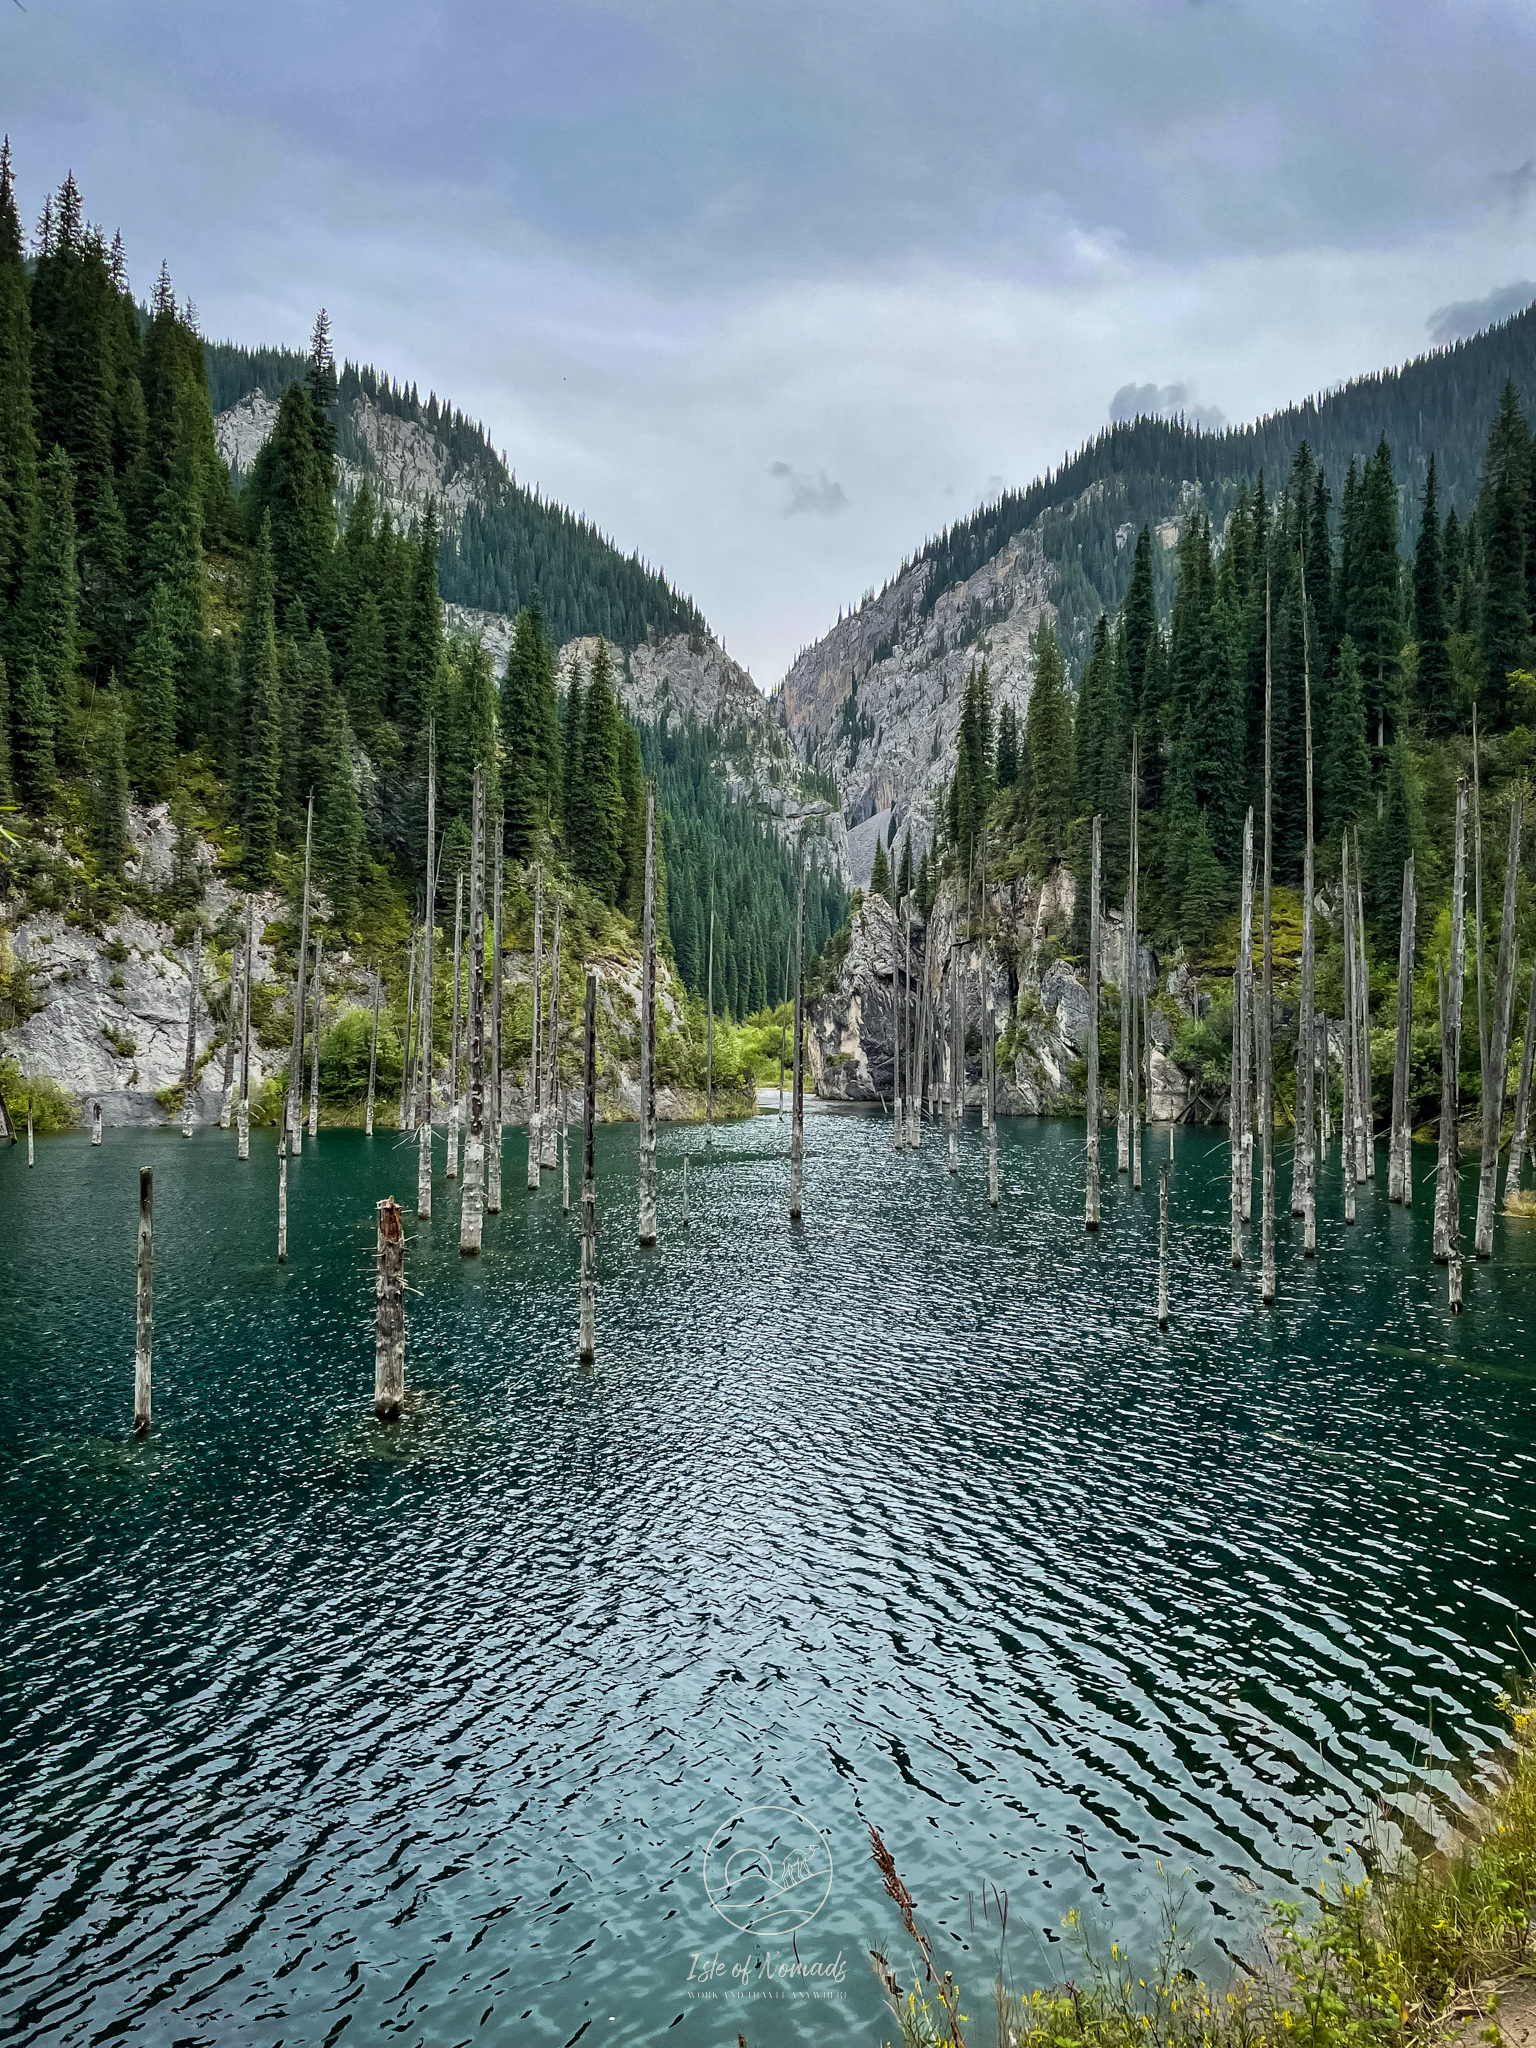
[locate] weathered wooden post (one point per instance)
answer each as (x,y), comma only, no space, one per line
(472,1204)
(1498,1042)
(797,1107)
(1162,1246)
(314,1044)
(191,1059)
(144,1331)
(1265,1039)
(493,1153)
(295,1089)
(1304,1158)
(389,1315)
(1399,1159)
(428,990)
(1517,1143)
(282,1197)
(95,1120)
(552,1109)
(227,1102)
(1091,1143)
(1448,1164)
(535,1063)
(648,1030)
(373,1060)
(589,1180)
(452,1170)
(243,1120)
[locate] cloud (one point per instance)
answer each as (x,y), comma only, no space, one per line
(1466,317)
(1164,401)
(1517,185)
(811,494)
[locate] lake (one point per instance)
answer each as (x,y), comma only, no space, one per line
(312,1729)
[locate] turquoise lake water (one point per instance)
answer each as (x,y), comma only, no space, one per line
(312,1730)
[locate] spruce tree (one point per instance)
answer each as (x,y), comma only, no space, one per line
(338,816)
(632,849)
(1007,747)
(109,788)
(1205,890)
(423,630)
(261,747)
(1052,770)
(570,748)
(107,586)
(1347,760)
(33,764)
(596,807)
(1373,617)
(529,735)
(48,610)
(1506,621)
(904,873)
(291,486)
(880,873)
(1391,843)
(172,562)
(154,699)
(365,669)
(18,433)
(1435,698)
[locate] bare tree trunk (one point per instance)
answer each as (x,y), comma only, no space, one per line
(472,1204)
(1248,1015)
(1448,1165)
(493,1153)
(296,1062)
(589,1184)
(1477,910)
(956,1050)
(783,1042)
(1265,1040)
(797,1100)
(314,1044)
(1235,1119)
(282,1198)
(31,1156)
(535,1063)
(1091,1194)
(553,1108)
(144,1331)
(428,989)
(1517,1143)
(709,1028)
(565,1165)
(1135,977)
(1304,1161)
(1451,1152)
(191,1061)
(455,1048)
(227,1105)
(1162,1246)
(1347,1044)
(1400,1155)
(95,1121)
(244,1121)
(989,1057)
(898,1134)
(373,1060)
(1365,1127)
(1123,1104)
(648,1030)
(389,1315)
(410,1003)
(1324,1110)
(1498,1048)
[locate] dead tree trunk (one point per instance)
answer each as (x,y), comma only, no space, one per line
(1136,990)
(191,1061)
(709,1026)
(648,1030)
(956,1050)
(1235,1122)
(535,1063)
(1365,1127)
(589,1182)
(1347,1043)
(1517,1142)
(389,1315)
(410,1003)
(1448,1165)
(1091,1195)
(428,984)
(373,1060)
(1399,1154)
(1246,1052)
(1265,1040)
(553,1109)
(244,1119)
(1498,1045)
(144,1330)
(296,1061)
(472,1204)
(227,1102)
(1304,1161)
(455,1048)
(797,1100)
(493,1152)
(1162,1246)
(1477,911)
(282,1198)
(314,1044)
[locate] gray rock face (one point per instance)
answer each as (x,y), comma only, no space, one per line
(403,460)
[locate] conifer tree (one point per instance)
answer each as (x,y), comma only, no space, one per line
(1007,747)
(18,433)
(172,560)
(154,699)
(1052,769)
(1506,621)
(291,485)
(1139,618)
(1391,843)
(48,608)
(1347,760)
(109,788)
(261,749)
(530,734)
(365,671)
(423,630)
(596,807)
(1205,890)
(570,747)
(1373,617)
(107,586)
(880,873)
(1434,667)
(33,750)
(338,815)
(904,873)
(632,851)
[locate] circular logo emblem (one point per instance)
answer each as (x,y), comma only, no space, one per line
(768,1871)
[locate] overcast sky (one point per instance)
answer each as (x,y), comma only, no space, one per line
(774,291)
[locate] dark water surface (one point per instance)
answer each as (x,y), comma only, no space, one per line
(311,1730)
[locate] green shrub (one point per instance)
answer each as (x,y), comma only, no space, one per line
(344,1053)
(54,1109)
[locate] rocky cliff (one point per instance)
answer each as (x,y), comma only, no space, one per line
(404,461)
(1040,1000)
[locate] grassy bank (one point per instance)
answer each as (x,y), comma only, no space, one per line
(1397,1959)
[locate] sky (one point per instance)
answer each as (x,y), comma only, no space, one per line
(773,292)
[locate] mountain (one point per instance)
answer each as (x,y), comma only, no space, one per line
(875,703)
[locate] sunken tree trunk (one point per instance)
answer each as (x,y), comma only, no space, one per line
(535,1063)
(389,1315)
(1498,1044)
(1091,1141)
(1400,1154)
(1448,1164)
(472,1203)
(589,1180)
(648,1030)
